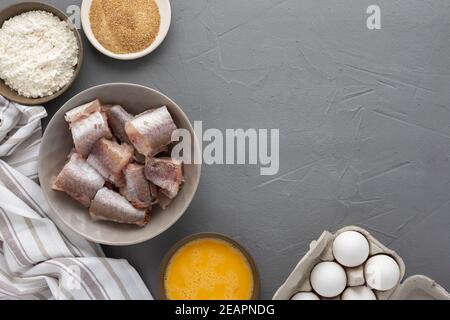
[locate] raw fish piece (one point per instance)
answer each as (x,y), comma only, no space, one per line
(79,180)
(139,158)
(105,107)
(117,118)
(83,111)
(110,206)
(118,180)
(87,131)
(95,163)
(151,131)
(110,157)
(153,193)
(71,153)
(137,189)
(166,174)
(163,201)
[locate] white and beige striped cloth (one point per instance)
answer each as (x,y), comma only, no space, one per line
(20,136)
(39,257)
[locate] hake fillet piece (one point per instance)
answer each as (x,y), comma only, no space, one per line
(137,188)
(87,131)
(83,111)
(166,174)
(79,180)
(108,205)
(109,158)
(164,201)
(151,131)
(153,192)
(117,119)
(118,180)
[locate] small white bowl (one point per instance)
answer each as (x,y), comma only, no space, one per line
(165,12)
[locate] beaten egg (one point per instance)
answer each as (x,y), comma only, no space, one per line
(208,269)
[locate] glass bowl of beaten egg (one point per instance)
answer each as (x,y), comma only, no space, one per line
(208,266)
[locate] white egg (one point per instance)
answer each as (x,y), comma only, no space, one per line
(305,296)
(328,279)
(358,293)
(382,272)
(350,248)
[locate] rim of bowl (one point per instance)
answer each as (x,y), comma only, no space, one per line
(48,8)
(86,23)
(205,235)
(186,205)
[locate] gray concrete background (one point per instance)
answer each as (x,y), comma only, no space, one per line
(364,119)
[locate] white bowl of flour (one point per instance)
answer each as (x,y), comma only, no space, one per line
(41,53)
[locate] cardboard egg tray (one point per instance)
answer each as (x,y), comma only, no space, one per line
(415,287)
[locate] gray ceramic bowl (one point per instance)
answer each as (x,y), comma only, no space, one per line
(57,143)
(23,7)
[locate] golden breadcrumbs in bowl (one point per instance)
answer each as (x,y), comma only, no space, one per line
(124,27)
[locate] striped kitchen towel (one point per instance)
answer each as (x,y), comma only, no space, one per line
(40,258)
(20,136)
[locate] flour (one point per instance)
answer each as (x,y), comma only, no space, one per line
(38,54)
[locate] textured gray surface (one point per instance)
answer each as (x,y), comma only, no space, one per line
(364,119)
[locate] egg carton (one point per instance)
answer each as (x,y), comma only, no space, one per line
(415,287)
